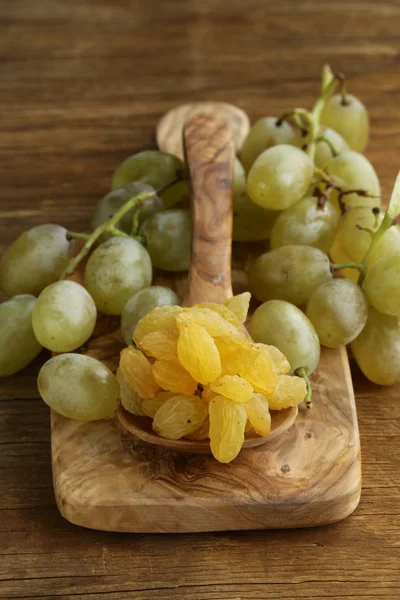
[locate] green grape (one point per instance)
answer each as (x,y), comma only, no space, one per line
(323,152)
(156,169)
(142,303)
(115,199)
(18,344)
(115,271)
(280,177)
(306,224)
(250,221)
(168,236)
(34,260)
(352,171)
(377,348)
(289,273)
(64,316)
(352,241)
(264,134)
(286,327)
(388,245)
(382,285)
(349,117)
(338,309)
(78,387)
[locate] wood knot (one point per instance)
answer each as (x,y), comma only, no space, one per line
(285,469)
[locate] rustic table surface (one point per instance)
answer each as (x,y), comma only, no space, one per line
(82,86)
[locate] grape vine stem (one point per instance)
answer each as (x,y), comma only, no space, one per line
(301,372)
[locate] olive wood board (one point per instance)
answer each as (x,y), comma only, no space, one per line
(309,475)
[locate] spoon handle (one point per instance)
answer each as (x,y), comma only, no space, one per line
(210,154)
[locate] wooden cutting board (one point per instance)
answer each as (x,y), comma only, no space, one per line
(106,479)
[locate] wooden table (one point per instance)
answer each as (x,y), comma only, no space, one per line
(82,85)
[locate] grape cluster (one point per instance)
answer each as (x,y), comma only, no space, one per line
(329,272)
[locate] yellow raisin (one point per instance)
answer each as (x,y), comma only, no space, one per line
(179,416)
(249,429)
(170,375)
(198,353)
(208,394)
(161,344)
(209,319)
(289,391)
(235,353)
(162,317)
(151,405)
(257,410)
(232,386)
(130,400)
(221,310)
(239,305)
(280,361)
(137,371)
(261,373)
(227,425)
(201,433)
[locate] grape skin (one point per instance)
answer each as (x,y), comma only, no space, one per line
(280,177)
(142,303)
(306,224)
(283,325)
(64,316)
(289,273)
(323,152)
(263,134)
(115,271)
(382,285)
(18,344)
(338,310)
(377,348)
(168,236)
(350,119)
(34,260)
(79,387)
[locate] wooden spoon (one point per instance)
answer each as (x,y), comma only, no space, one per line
(210,154)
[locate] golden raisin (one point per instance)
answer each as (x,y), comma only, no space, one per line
(289,391)
(261,373)
(239,305)
(257,410)
(235,353)
(151,405)
(130,400)
(179,416)
(280,361)
(137,370)
(209,319)
(162,317)
(201,433)
(161,344)
(232,386)
(170,375)
(208,394)
(221,310)
(227,425)
(198,353)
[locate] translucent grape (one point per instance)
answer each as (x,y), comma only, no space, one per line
(250,221)
(113,201)
(377,348)
(306,224)
(323,152)
(338,310)
(264,134)
(79,387)
(168,236)
(227,424)
(34,260)
(352,171)
(289,273)
(156,169)
(115,271)
(285,326)
(142,303)
(64,316)
(349,117)
(179,416)
(18,344)
(280,177)
(382,285)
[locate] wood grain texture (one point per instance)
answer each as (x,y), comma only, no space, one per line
(82,85)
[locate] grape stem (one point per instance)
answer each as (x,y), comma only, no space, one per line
(107,226)
(323,138)
(301,372)
(348,265)
(74,234)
